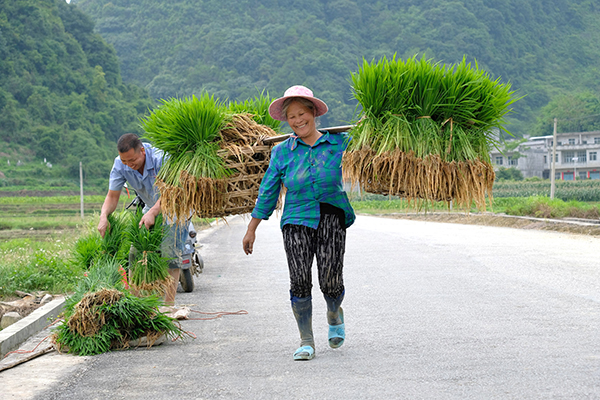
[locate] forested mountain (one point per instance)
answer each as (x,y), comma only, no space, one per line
(545,48)
(61,94)
(74,77)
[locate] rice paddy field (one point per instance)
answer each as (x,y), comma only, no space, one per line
(47,213)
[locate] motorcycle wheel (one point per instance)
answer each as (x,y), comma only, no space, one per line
(187,280)
(199,262)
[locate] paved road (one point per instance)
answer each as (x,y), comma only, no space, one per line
(433,311)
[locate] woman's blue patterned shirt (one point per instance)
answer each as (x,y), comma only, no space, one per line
(311,175)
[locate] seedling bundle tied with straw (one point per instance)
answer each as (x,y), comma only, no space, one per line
(103,314)
(426,130)
(216,157)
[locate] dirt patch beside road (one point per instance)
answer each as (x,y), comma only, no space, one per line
(582,228)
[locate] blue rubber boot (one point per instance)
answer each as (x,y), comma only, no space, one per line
(302,308)
(335,319)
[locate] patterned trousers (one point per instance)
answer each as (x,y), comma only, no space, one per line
(328,244)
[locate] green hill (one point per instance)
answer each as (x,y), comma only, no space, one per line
(179,47)
(62,99)
(74,77)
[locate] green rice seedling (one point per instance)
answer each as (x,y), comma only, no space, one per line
(453,97)
(108,319)
(106,273)
(112,243)
(149,271)
(87,249)
(186,129)
(429,125)
(258,108)
(206,145)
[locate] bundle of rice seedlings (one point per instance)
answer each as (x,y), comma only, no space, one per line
(215,156)
(426,130)
(112,243)
(149,270)
(103,274)
(258,108)
(92,247)
(87,249)
(108,319)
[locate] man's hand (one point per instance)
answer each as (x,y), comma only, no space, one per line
(109,205)
(103,225)
(147,220)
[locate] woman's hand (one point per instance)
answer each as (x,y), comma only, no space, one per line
(248,241)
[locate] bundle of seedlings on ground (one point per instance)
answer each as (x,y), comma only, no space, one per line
(108,319)
(426,130)
(104,274)
(215,155)
(149,270)
(92,247)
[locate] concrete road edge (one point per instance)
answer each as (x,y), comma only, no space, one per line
(16,334)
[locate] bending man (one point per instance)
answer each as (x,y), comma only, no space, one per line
(138,164)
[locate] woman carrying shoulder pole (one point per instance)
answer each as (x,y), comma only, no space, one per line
(316,212)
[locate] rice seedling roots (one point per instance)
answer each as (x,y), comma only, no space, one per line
(246,158)
(402,174)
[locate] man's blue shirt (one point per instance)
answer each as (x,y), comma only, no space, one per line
(142,184)
(311,175)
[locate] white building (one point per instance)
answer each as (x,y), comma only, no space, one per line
(576,156)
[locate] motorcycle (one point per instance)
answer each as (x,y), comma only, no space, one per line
(192,263)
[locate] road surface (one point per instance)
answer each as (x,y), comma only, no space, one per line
(433,311)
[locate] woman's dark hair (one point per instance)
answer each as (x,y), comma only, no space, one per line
(305,102)
(127,142)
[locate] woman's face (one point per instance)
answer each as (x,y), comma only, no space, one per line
(301,119)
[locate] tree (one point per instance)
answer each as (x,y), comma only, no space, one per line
(508,174)
(578,112)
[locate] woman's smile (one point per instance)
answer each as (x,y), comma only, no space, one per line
(302,121)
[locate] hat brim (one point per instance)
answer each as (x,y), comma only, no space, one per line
(276,107)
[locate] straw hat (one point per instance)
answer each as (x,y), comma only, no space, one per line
(276,107)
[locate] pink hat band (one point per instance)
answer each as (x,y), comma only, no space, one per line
(276,107)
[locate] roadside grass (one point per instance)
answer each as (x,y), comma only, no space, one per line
(32,265)
(544,207)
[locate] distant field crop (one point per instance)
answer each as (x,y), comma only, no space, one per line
(583,190)
(48,213)
(53,199)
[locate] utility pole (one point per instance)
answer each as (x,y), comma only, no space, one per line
(81,187)
(553,173)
